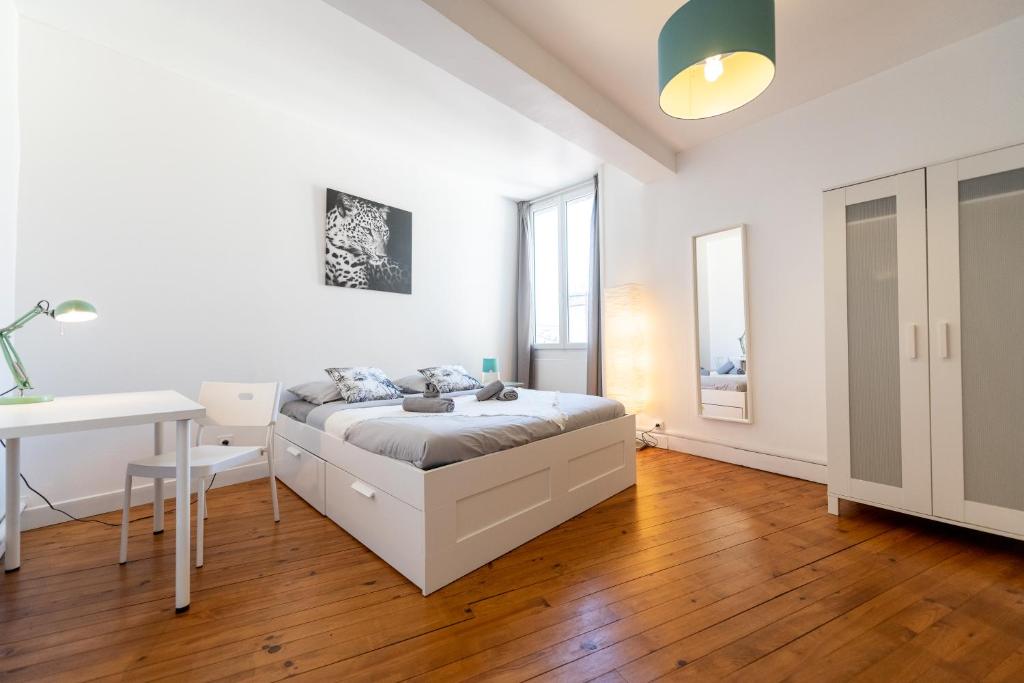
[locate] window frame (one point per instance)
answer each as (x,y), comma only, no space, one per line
(558,200)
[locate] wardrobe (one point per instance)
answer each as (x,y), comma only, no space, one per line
(924,294)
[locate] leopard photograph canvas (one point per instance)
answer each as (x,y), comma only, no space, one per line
(369,244)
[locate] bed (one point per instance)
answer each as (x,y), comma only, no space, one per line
(446,494)
(724,396)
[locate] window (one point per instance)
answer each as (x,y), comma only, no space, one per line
(561,267)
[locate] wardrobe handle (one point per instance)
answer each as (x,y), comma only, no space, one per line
(294,451)
(912,341)
(944,340)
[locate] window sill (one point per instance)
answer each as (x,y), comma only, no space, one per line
(559,347)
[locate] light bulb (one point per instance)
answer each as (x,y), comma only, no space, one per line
(713,68)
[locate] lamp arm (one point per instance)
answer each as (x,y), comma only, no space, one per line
(14,362)
(41,308)
(10,355)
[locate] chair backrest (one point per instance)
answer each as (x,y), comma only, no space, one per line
(240,405)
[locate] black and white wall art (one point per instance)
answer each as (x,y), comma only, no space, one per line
(369,245)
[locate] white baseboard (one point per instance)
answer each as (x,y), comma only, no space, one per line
(769,462)
(41,515)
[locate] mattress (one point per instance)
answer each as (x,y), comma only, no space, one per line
(430,441)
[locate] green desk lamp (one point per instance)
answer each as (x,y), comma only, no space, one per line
(71,311)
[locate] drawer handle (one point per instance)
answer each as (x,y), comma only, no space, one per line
(294,451)
(363,490)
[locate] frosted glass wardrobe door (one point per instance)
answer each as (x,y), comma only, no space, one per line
(877,358)
(976,290)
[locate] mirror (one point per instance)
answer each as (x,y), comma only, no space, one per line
(722,324)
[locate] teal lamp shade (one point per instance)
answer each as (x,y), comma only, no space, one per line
(74,311)
(715,56)
(490,365)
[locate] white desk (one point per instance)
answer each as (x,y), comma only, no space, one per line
(78,413)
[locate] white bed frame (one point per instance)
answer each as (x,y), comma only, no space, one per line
(437,525)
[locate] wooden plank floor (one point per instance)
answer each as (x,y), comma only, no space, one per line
(704,571)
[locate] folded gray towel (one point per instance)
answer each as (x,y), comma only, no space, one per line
(421,404)
(490,391)
(509,394)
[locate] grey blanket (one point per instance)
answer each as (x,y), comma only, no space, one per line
(431,441)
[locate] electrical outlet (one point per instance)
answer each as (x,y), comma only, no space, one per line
(658,423)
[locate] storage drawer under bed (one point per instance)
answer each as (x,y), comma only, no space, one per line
(301,471)
(384,524)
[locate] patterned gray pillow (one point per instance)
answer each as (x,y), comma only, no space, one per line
(448,378)
(360,384)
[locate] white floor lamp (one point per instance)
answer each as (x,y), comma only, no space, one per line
(627,363)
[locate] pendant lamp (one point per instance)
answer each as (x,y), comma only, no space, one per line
(715,56)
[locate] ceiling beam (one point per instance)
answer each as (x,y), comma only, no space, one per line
(477,44)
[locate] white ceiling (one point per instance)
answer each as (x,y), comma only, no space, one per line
(821,45)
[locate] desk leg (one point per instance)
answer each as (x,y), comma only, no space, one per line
(12,534)
(182,545)
(158,482)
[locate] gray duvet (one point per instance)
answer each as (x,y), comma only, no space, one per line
(429,442)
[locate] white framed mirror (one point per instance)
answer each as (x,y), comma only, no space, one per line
(722,325)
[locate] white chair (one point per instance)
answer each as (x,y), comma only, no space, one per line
(227,405)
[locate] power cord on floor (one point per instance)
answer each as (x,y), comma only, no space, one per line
(647,440)
(66,514)
(94,521)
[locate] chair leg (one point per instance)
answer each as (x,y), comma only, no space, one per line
(126,507)
(206,507)
(158,505)
(273,485)
(199,522)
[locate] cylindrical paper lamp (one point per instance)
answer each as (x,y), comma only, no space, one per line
(627,359)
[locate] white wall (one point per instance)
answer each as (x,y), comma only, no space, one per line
(9,161)
(956,101)
(193,219)
(560,370)
(629,242)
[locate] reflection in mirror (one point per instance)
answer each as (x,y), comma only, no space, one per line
(722,335)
